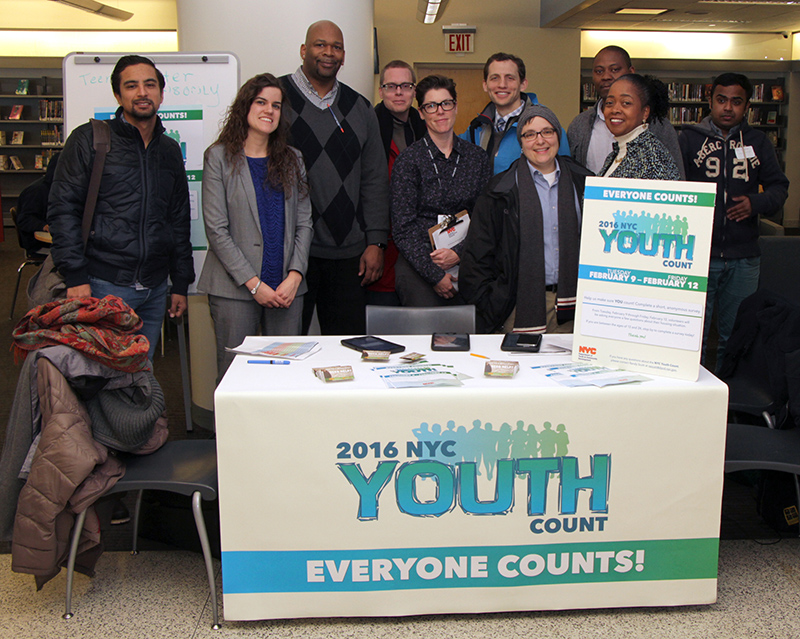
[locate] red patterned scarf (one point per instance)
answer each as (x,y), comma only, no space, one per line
(103,330)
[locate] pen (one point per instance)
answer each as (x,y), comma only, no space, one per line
(268,361)
(335,119)
(481,356)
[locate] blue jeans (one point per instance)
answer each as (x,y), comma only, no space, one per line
(729,282)
(150,305)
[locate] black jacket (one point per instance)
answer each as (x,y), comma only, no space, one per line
(489,267)
(141,226)
(765,346)
(32,209)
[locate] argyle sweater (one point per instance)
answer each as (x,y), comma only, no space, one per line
(346,168)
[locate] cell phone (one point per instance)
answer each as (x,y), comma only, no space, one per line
(450,342)
(372,343)
(522,342)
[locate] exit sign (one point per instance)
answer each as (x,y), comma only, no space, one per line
(459,42)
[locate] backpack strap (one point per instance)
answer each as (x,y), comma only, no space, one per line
(101,133)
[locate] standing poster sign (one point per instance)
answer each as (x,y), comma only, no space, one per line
(645,249)
(199,88)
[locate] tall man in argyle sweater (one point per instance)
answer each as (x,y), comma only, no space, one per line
(337,131)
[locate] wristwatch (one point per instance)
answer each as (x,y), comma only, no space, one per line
(255,288)
(380,245)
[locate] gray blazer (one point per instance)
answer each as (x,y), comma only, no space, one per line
(235,243)
(580,132)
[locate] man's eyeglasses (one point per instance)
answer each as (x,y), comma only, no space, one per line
(432,107)
(546,134)
(391,87)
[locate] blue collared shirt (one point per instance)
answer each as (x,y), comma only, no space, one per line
(548,198)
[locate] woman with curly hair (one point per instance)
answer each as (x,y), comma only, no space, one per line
(632,102)
(257,218)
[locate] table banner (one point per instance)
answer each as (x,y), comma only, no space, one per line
(645,248)
(436,500)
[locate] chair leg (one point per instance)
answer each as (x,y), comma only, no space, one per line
(797,491)
(73,552)
(136,510)
(16,291)
(197,510)
(187,390)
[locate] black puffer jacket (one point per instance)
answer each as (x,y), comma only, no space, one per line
(141,225)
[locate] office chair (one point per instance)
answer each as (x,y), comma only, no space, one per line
(408,320)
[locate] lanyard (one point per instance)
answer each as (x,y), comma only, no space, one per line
(436,168)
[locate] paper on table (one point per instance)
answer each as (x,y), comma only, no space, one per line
(281,350)
(420,375)
(574,375)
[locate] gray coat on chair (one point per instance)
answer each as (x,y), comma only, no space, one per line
(235,243)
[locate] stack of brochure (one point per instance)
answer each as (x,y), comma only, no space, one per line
(574,375)
(419,375)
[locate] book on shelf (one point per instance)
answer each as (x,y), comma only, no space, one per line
(38,162)
(22,87)
(16,112)
(51,109)
(3,163)
(16,162)
(17,137)
(688,92)
(589,91)
(2,138)
(772,117)
(777,92)
(772,136)
(51,137)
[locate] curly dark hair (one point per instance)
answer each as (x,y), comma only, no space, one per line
(284,170)
(652,92)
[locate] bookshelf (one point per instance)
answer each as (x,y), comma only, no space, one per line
(31,131)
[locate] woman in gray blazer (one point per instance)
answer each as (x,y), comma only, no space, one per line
(257,217)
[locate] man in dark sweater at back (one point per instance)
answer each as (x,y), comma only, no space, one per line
(337,131)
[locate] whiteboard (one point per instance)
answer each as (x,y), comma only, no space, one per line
(199,88)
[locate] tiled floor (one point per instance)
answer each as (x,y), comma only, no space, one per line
(164,594)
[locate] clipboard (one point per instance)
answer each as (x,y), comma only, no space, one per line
(450,232)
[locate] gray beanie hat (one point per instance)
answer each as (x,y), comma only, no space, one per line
(541,111)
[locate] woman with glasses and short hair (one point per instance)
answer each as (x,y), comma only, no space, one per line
(432,180)
(520,260)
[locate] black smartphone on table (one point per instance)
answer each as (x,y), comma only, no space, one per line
(450,342)
(372,343)
(522,342)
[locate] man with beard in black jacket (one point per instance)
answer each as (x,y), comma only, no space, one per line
(140,233)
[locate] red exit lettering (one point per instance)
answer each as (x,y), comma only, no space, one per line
(459,42)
